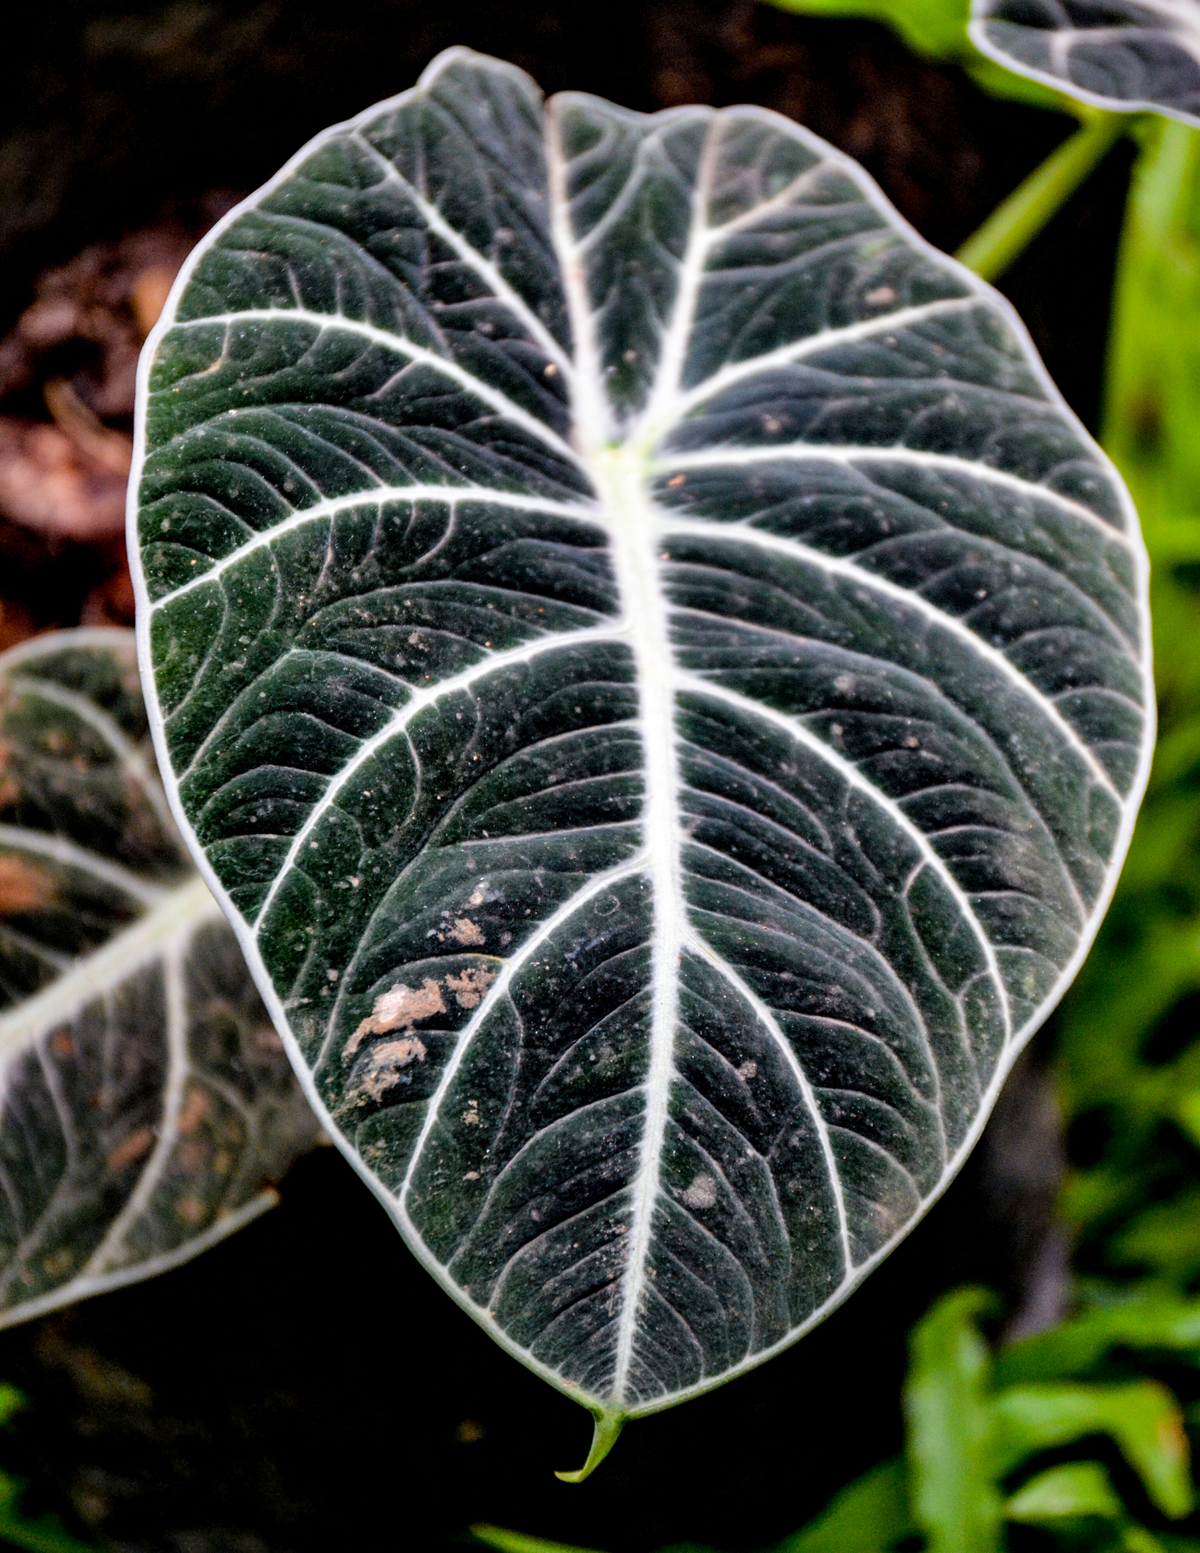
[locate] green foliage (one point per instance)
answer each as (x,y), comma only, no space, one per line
(517,1542)
(43,1535)
(1141,1417)
(950,1428)
(1077,1490)
(1146,1322)
(1151,430)
(872,1513)
(1129,1058)
(973,1438)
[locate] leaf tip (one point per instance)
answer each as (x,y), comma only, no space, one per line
(604,1437)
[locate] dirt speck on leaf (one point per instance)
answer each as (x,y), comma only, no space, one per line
(387,1061)
(194,1110)
(464,931)
(469,987)
(131,1149)
(399,1009)
(702,1193)
(23,887)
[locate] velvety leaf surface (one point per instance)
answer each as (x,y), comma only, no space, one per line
(1119,54)
(659,679)
(147,1100)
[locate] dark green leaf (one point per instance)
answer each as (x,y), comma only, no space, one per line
(1118,54)
(147,1101)
(659,680)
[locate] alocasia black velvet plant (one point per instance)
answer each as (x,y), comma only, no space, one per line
(659,681)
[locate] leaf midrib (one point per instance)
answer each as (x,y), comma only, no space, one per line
(621,474)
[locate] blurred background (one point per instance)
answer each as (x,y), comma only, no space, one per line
(305,1386)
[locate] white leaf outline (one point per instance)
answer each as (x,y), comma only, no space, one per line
(591,407)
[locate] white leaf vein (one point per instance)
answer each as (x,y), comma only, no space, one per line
(733,455)
(399,722)
(374,496)
(854,778)
(769,1023)
(419,355)
(914,599)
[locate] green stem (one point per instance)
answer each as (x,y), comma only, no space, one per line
(1014,224)
(604,1437)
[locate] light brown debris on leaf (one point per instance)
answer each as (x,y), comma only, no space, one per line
(193,1111)
(394,1054)
(131,1149)
(464,931)
(469,987)
(399,1009)
(22,886)
(388,1060)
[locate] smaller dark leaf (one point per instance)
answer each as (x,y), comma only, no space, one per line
(147,1102)
(1119,54)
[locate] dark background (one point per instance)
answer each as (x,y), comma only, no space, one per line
(306,1386)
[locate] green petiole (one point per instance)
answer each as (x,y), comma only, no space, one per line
(1013,225)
